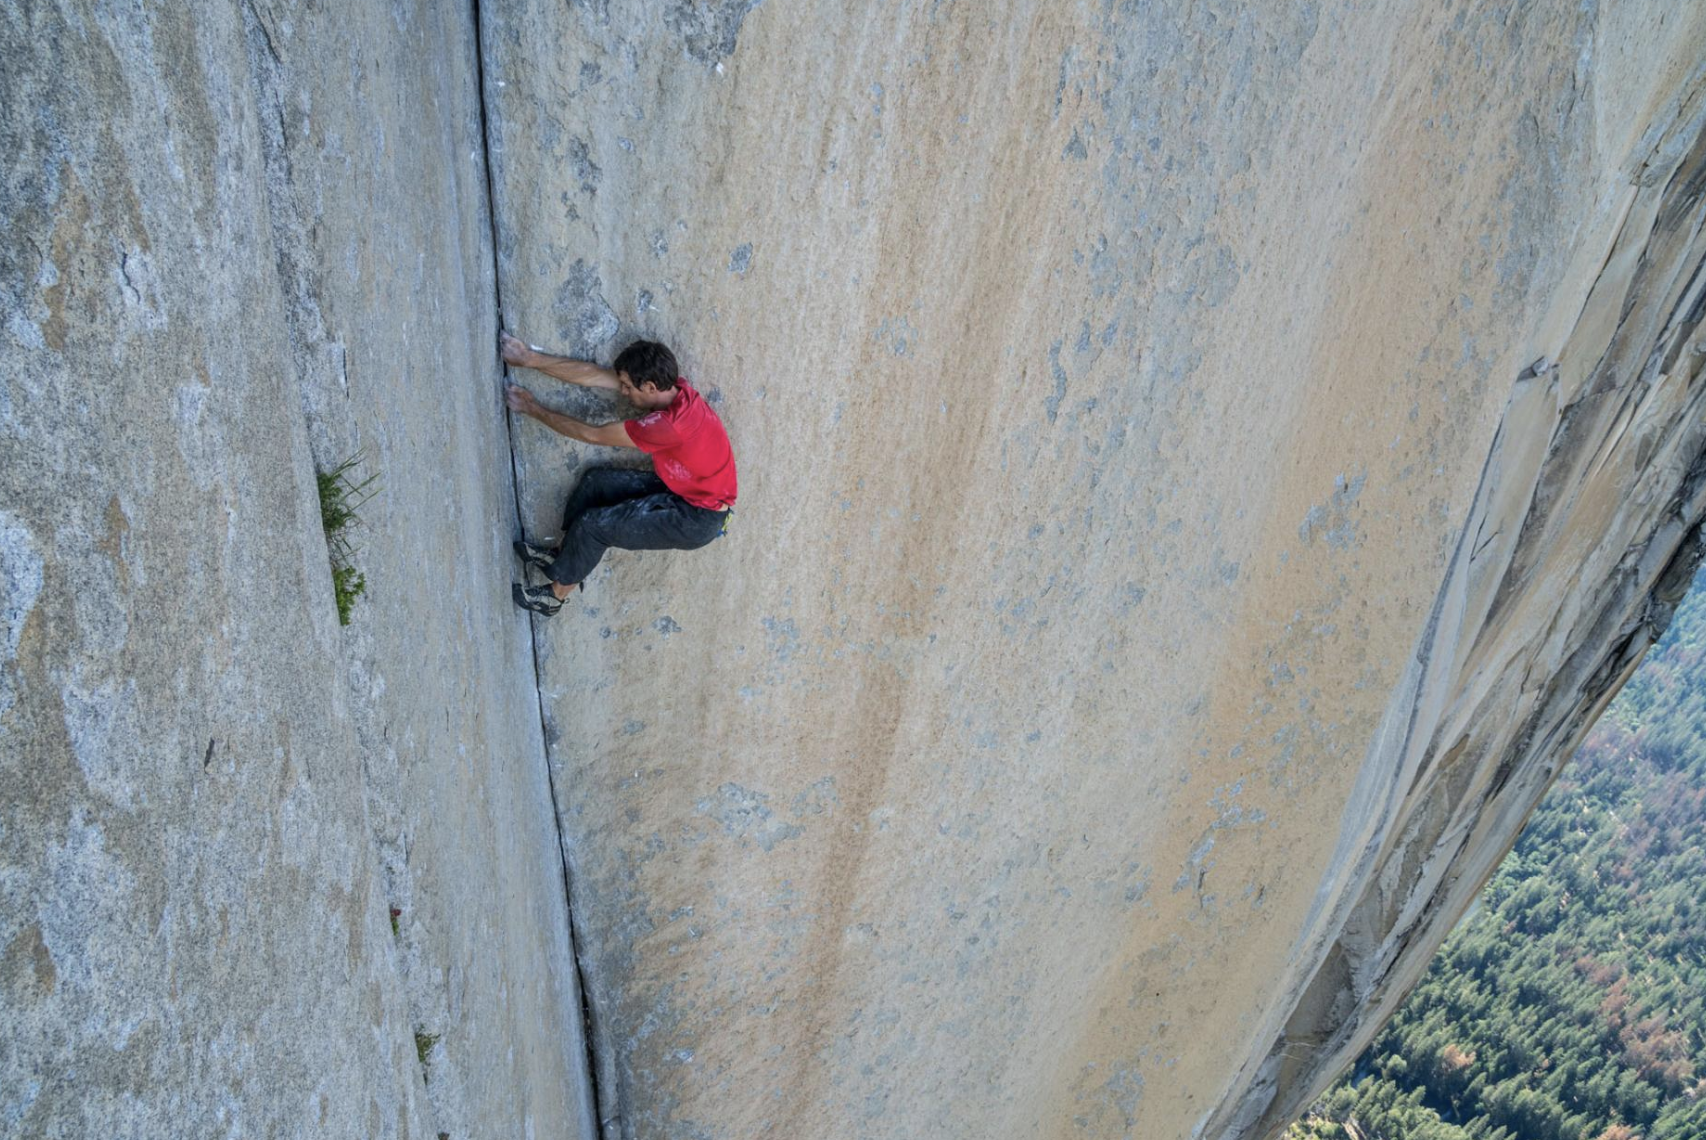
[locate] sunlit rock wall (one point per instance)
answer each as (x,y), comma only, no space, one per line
(1162,578)
(239,241)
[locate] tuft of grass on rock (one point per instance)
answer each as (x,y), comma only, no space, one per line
(341,498)
(347,586)
(423,1049)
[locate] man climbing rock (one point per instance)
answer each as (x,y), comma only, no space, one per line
(682,504)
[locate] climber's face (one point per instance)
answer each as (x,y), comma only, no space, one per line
(642,396)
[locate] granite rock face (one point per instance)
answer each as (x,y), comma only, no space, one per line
(1202,468)
(242,241)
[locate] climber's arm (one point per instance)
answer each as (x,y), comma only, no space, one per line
(606,435)
(569,371)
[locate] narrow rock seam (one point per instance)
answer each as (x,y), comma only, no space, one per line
(588,1019)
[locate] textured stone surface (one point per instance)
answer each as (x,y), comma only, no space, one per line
(1161,582)
(241,240)
(1202,468)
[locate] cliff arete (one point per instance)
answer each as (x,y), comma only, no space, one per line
(1203,467)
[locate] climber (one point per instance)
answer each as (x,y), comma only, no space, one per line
(682,504)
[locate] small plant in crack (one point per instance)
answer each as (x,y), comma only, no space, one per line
(341,498)
(424,1043)
(395,915)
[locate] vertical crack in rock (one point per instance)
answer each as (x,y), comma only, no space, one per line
(1505,668)
(597,1092)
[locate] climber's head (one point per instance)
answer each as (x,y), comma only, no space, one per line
(646,362)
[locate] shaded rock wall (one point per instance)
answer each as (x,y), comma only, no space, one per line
(242,240)
(1161,581)
(1584,535)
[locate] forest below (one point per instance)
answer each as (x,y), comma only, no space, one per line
(1571,1004)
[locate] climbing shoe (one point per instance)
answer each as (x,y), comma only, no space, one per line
(538,599)
(535,556)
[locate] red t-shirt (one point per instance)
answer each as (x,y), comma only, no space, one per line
(689,449)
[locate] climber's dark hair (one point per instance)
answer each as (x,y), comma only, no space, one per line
(648,362)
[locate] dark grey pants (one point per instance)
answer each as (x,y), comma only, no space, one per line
(630,510)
